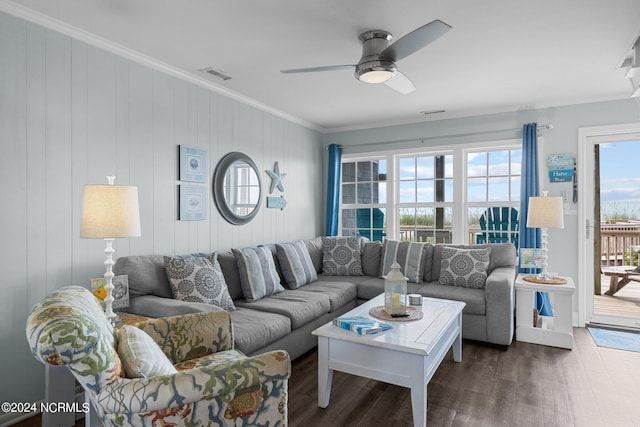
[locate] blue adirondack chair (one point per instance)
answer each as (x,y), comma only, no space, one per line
(363,223)
(499,225)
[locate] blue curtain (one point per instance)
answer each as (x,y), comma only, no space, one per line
(333,189)
(531,237)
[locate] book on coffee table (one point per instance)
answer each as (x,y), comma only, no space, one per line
(361,325)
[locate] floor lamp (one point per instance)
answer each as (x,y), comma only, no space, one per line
(544,213)
(108,212)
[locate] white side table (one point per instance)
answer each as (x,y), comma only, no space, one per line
(557,334)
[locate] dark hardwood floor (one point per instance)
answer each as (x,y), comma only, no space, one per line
(527,385)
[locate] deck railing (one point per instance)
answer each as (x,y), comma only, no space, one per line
(619,242)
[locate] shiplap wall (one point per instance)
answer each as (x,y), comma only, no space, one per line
(70,114)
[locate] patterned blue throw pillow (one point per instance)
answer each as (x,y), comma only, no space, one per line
(258,275)
(464,267)
(198,278)
(341,256)
(295,262)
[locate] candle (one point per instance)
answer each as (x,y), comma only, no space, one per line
(395,300)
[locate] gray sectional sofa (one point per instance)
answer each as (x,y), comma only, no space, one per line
(285,320)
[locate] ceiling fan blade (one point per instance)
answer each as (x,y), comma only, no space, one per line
(416,40)
(400,83)
(315,69)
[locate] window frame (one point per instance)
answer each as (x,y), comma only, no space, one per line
(487,203)
(357,205)
(459,220)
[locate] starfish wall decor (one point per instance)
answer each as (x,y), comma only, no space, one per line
(276,178)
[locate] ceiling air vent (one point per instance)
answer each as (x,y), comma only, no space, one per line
(428,113)
(216,73)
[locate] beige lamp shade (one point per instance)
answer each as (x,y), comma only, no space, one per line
(110,211)
(545,212)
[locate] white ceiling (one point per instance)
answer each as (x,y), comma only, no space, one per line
(500,55)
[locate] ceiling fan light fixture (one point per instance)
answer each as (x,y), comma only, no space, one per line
(376,76)
(376,71)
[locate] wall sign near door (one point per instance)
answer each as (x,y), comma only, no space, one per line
(561,167)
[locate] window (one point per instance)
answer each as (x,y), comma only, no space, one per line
(425,198)
(444,195)
(493,195)
(364,198)
(242,188)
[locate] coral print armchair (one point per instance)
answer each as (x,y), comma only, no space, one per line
(175,371)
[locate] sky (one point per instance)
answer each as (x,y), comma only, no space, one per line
(620,178)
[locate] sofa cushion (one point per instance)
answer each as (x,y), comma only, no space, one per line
(140,355)
(341,256)
(258,275)
(339,293)
(155,307)
(408,254)
(371,252)
(231,273)
(299,306)
(253,329)
(427,262)
(198,279)
(343,279)
(473,298)
(295,262)
(372,287)
(146,273)
(464,267)
(314,246)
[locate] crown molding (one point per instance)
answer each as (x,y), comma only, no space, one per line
(94,40)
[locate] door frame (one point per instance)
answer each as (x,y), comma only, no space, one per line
(587,138)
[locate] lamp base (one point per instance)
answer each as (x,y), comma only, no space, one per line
(115,320)
(545,276)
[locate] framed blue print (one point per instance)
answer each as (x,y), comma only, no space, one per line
(193,203)
(193,164)
(530,258)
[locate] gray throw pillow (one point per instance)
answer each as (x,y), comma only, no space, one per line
(408,254)
(341,256)
(198,278)
(295,262)
(464,267)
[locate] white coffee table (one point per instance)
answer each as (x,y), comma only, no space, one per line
(407,355)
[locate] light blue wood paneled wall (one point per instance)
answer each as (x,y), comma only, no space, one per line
(70,114)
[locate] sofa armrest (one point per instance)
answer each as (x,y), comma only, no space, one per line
(191,335)
(500,300)
(145,395)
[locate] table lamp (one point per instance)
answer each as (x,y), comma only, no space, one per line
(108,212)
(544,213)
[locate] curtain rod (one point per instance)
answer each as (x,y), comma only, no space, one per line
(457,135)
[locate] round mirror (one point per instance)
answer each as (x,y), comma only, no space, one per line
(237,188)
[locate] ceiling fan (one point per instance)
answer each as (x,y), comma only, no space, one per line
(379,57)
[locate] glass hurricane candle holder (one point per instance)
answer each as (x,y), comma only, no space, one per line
(395,292)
